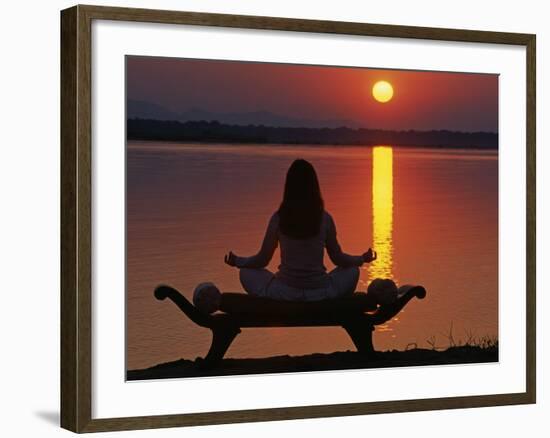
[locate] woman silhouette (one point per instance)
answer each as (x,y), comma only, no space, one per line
(303,229)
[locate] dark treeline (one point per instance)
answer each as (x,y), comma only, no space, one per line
(202,131)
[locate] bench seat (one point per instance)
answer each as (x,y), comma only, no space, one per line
(357,314)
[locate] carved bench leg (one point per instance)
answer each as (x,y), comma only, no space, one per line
(361,335)
(222,337)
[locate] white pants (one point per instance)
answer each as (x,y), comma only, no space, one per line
(263,283)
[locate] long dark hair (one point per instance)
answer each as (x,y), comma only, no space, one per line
(302,208)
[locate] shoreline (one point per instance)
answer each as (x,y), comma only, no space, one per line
(342,360)
(327,145)
(160,144)
(214,131)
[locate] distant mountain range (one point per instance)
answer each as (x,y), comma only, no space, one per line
(139,109)
(214,131)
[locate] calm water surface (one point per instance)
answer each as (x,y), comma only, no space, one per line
(432,215)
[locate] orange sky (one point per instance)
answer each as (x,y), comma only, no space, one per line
(422,100)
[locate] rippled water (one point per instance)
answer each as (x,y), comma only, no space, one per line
(432,215)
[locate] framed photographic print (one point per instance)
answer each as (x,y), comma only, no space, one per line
(268,218)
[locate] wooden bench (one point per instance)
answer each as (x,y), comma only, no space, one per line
(357,314)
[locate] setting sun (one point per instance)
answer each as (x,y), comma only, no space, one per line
(382,91)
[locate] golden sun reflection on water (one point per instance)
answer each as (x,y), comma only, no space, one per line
(382,212)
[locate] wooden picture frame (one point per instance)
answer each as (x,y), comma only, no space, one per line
(76,198)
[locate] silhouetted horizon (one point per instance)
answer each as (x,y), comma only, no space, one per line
(145,110)
(140,109)
(215,131)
